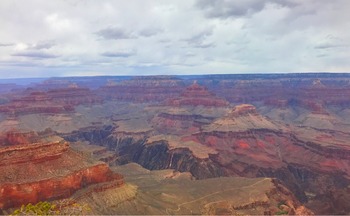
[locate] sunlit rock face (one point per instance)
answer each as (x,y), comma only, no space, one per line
(46,169)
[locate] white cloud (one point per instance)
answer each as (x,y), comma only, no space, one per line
(20,46)
(57,23)
(175,37)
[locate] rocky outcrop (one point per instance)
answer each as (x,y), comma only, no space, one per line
(243,110)
(46,170)
(33,153)
(16,194)
(196,95)
(242,118)
(16,138)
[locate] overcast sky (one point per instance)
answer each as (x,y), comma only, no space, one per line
(142,37)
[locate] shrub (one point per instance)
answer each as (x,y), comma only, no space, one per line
(47,208)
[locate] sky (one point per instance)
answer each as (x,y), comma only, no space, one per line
(41,38)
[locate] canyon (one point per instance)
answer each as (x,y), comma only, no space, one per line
(168,142)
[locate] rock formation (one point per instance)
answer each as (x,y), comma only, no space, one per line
(196,95)
(241,142)
(49,102)
(178,194)
(142,89)
(241,118)
(74,95)
(293,128)
(46,170)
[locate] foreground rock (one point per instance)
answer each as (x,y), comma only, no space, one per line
(167,192)
(46,170)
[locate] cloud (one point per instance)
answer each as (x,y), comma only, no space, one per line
(204,45)
(199,37)
(330,46)
(149,32)
(322,55)
(58,23)
(198,40)
(179,37)
(114,33)
(118,54)
(35,54)
(43,45)
(6,44)
(229,8)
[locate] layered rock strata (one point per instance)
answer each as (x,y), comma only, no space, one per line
(196,95)
(45,171)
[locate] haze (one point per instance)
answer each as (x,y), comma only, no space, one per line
(87,38)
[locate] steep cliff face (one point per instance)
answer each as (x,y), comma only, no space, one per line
(106,136)
(156,155)
(16,194)
(46,170)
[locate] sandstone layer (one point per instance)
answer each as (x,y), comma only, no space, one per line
(45,171)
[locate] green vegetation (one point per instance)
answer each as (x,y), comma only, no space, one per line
(282,212)
(47,208)
(41,208)
(279,205)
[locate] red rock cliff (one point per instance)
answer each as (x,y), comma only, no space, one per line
(47,170)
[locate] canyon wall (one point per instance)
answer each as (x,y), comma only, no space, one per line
(47,170)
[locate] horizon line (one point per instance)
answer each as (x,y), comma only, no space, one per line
(177,75)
